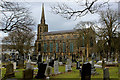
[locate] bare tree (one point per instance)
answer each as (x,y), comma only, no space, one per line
(19,40)
(84,7)
(108,29)
(14,16)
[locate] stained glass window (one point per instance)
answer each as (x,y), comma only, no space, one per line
(51,47)
(45,47)
(56,47)
(71,47)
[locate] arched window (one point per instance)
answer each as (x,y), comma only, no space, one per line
(71,47)
(45,47)
(57,48)
(64,47)
(51,47)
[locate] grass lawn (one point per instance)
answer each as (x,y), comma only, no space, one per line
(113,72)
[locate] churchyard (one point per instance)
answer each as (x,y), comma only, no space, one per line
(48,68)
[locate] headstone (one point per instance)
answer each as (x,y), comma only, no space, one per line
(14,64)
(78,65)
(28,65)
(56,68)
(28,74)
(51,63)
(34,59)
(21,64)
(93,70)
(41,70)
(48,71)
(86,71)
(68,65)
(9,71)
(119,72)
(39,58)
(106,74)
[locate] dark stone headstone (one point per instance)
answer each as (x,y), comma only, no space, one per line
(21,64)
(9,71)
(78,65)
(41,70)
(51,63)
(34,59)
(106,74)
(86,71)
(39,58)
(28,74)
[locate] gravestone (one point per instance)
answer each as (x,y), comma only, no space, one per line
(34,59)
(39,58)
(106,74)
(119,71)
(56,68)
(78,65)
(93,70)
(21,64)
(51,63)
(28,74)
(48,71)
(68,65)
(14,64)
(28,64)
(86,71)
(9,71)
(41,70)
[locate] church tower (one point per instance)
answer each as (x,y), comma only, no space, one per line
(42,27)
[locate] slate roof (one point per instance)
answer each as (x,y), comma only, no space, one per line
(59,32)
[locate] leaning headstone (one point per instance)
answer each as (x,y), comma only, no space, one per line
(86,71)
(9,71)
(106,74)
(48,71)
(56,68)
(41,70)
(28,74)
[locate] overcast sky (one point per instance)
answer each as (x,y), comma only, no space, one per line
(55,22)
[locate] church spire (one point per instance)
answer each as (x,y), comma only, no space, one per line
(43,16)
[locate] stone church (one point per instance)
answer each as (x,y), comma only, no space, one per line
(66,42)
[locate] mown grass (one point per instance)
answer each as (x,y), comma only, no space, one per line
(113,72)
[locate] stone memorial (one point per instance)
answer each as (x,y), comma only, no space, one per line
(78,65)
(93,70)
(41,70)
(51,63)
(9,71)
(56,68)
(68,65)
(14,64)
(106,74)
(86,71)
(28,74)
(48,71)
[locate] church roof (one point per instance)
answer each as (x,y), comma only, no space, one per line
(59,32)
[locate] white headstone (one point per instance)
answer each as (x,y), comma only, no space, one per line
(14,65)
(68,66)
(56,68)
(48,71)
